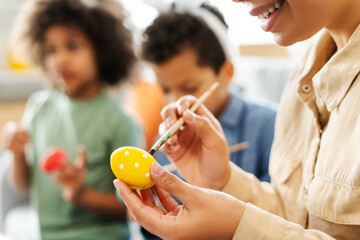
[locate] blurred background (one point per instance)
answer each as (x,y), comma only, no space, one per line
(262,68)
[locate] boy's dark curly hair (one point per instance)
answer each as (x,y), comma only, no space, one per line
(102,22)
(172,32)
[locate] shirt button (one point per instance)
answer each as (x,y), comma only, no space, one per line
(305,88)
(306,188)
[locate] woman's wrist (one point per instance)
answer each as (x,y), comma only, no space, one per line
(220,185)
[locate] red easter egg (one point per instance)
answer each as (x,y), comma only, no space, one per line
(53,159)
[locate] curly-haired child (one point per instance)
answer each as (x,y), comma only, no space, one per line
(83,47)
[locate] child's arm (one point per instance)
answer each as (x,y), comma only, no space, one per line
(102,203)
(71,177)
(20,174)
(14,139)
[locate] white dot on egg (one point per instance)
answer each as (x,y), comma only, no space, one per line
(144,155)
(126,153)
(121,166)
(136,165)
(147,175)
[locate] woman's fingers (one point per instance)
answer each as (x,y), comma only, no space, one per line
(171,184)
(168,203)
(147,197)
(169,114)
(204,128)
(203,111)
(184,103)
(173,111)
(145,215)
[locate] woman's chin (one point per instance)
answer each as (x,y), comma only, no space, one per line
(282,41)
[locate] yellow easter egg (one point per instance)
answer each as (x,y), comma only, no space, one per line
(132,166)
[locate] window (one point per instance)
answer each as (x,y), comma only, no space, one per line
(243,28)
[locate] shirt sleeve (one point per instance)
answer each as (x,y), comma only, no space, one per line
(259,224)
(267,138)
(247,188)
(33,106)
(265,220)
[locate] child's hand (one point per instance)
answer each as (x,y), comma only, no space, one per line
(199,151)
(53,159)
(198,218)
(72,176)
(14,138)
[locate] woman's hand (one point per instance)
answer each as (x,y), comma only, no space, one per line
(205,213)
(14,138)
(199,150)
(72,176)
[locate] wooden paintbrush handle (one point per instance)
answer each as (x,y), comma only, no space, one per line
(173,129)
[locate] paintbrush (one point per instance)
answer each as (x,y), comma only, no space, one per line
(231,149)
(173,129)
(29,115)
(122,159)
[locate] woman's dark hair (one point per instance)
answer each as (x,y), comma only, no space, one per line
(102,22)
(172,32)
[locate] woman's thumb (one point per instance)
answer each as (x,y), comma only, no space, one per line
(170,183)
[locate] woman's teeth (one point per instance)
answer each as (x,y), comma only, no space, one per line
(265,15)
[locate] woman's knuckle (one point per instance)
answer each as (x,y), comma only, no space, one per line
(168,110)
(169,180)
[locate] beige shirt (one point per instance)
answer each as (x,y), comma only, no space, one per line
(315,160)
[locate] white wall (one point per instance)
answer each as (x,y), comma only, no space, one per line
(243,28)
(8,11)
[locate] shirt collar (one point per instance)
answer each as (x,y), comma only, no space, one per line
(333,77)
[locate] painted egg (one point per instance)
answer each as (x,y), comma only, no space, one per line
(132,166)
(53,159)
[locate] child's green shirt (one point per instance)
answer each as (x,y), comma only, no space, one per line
(102,126)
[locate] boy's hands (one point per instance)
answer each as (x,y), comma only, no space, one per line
(72,176)
(199,150)
(14,138)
